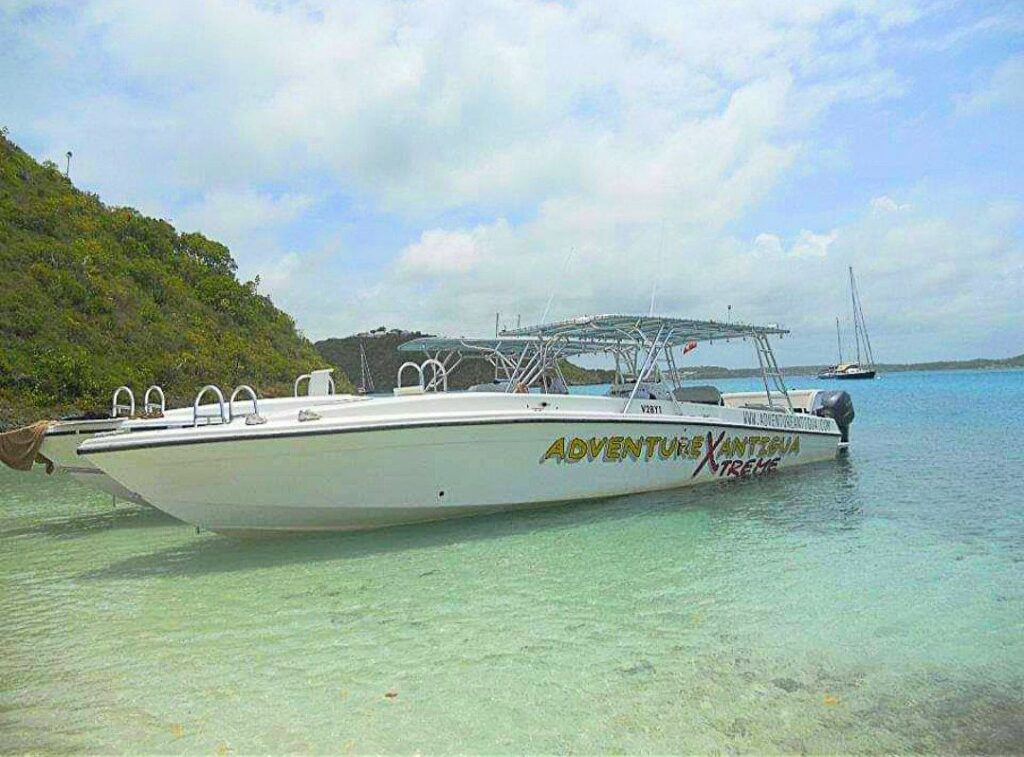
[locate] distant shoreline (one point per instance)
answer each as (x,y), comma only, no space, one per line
(980,364)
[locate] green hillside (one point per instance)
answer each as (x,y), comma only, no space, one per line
(92,297)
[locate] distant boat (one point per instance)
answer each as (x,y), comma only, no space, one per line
(365,378)
(856,370)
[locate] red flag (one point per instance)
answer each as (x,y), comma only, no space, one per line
(689,346)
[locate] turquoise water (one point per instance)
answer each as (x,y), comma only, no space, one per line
(873,603)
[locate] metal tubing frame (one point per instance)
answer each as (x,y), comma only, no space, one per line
(770,369)
(147,405)
(649,359)
(438,368)
(252,396)
(116,408)
(401,369)
(527,364)
(220,401)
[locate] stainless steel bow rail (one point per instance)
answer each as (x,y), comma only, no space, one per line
(126,407)
(154,402)
(119,408)
(225,412)
(149,407)
(252,418)
(438,377)
(221,415)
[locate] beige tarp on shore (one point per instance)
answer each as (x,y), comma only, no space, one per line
(19,448)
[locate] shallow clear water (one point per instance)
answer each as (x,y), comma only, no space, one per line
(873,603)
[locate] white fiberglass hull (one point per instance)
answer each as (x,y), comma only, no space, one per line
(433,466)
(60,445)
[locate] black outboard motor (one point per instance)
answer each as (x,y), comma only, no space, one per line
(836,405)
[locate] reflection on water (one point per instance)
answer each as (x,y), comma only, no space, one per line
(872,603)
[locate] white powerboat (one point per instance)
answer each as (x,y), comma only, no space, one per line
(426,453)
(63,437)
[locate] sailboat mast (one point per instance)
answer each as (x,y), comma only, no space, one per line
(867,339)
(859,313)
(839,341)
(365,377)
(856,321)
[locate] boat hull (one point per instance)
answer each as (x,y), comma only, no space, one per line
(356,479)
(61,444)
(848,376)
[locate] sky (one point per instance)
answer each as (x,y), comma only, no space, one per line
(425,165)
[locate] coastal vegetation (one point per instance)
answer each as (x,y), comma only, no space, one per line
(93,297)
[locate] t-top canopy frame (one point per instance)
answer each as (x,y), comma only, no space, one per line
(617,328)
(525,356)
(519,362)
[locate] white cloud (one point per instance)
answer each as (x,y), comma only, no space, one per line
(920,274)
(807,244)
(426,106)
(817,245)
(768,243)
(885,204)
(440,252)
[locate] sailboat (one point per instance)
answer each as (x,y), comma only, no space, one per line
(365,378)
(855,370)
